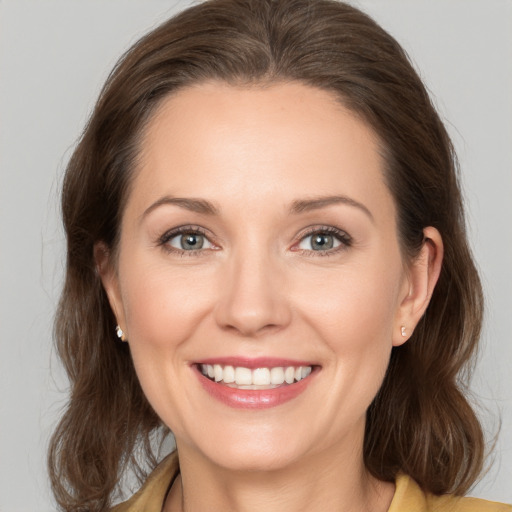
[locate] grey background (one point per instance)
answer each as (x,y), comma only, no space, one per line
(54,56)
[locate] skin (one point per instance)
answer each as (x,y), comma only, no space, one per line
(257,288)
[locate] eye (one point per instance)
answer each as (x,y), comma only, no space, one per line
(190,242)
(185,239)
(319,242)
(324,240)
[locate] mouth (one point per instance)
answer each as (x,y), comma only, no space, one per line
(240,377)
(255,384)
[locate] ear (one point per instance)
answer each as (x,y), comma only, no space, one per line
(110,280)
(418,287)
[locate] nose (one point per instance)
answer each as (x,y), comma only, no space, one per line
(252,296)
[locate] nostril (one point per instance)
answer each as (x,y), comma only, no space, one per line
(251,331)
(251,301)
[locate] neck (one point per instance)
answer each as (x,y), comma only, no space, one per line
(319,483)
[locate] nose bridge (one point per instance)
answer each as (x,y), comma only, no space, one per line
(252,297)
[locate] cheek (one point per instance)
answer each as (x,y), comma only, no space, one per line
(353,312)
(163,305)
(356,302)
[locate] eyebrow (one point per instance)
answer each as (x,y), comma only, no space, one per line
(191,204)
(316,203)
(298,206)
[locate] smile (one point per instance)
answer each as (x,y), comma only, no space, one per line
(255,384)
(258,378)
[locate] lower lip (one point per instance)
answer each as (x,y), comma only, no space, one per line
(254,398)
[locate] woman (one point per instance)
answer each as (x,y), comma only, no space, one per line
(267,257)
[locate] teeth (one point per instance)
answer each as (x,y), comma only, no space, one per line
(229,375)
(305,371)
(217,372)
(251,379)
(261,377)
(289,374)
(277,376)
(243,376)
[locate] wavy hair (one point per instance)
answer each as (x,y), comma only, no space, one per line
(420,422)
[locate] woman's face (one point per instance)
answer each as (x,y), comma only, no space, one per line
(259,238)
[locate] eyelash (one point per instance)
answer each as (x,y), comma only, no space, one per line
(343,237)
(163,241)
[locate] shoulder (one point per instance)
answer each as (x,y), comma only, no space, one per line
(410,498)
(151,496)
(459,504)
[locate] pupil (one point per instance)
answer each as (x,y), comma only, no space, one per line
(191,241)
(322,242)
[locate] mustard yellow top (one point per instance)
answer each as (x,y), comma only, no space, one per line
(408,495)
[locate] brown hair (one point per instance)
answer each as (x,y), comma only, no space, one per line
(420,422)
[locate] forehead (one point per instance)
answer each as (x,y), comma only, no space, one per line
(257,144)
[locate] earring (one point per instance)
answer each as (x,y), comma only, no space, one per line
(120,333)
(402,330)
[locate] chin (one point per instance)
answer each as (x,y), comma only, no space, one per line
(253,453)
(255,460)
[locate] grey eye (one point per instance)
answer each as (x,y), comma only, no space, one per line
(190,242)
(319,242)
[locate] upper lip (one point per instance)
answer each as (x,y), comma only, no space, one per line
(257,362)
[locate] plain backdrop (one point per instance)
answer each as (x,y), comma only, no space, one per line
(54,56)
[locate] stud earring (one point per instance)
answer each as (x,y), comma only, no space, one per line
(120,333)
(402,330)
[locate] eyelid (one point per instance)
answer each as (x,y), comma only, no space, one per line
(344,238)
(163,240)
